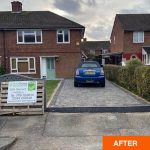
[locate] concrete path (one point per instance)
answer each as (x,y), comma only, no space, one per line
(57,131)
(110,96)
(6,142)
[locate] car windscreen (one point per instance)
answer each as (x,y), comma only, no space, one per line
(89,65)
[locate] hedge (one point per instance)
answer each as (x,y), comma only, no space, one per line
(142,77)
(111,72)
(135,78)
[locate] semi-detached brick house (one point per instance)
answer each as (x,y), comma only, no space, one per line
(130,37)
(39,43)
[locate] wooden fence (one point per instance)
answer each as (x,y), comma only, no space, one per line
(23,108)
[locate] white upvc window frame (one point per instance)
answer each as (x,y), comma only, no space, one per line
(63,34)
(137,33)
(27,60)
(34,33)
(146,59)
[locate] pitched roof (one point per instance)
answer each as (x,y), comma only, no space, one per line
(135,22)
(95,45)
(147,49)
(35,19)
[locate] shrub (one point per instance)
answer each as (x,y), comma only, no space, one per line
(111,72)
(126,74)
(134,77)
(126,77)
(142,77)
(134,62)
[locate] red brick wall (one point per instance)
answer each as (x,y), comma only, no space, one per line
(1,48)
(69,54)
(124,42)
(135,48)
(118,32)
(129,46)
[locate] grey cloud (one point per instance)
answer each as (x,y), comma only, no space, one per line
(96,15)
(99,33)
(134,11)
(89,2)
(70,6)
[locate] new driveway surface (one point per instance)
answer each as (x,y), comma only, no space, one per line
(111,95)
(79,131)
(60,131)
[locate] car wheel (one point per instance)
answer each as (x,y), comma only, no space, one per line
(76,84)
(103,84)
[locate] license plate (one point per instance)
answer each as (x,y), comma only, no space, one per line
(89,81)
(90,72)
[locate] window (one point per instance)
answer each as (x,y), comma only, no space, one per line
(133,56)
(29,36)
(23,65)
(92,52)
(146,59)
(104,51)
(138,37)
(89,65)
(63,36)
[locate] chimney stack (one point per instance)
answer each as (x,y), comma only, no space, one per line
(16,6)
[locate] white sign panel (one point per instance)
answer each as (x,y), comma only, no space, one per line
(22,92)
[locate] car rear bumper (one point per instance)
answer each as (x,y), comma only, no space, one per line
(100,79)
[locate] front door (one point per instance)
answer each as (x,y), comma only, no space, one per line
(50,68)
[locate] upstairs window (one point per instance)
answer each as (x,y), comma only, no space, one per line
(63,36)
(138,37)
(29,36)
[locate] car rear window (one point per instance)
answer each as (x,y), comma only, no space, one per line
(89,65)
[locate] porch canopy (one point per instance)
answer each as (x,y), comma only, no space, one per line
(147,49)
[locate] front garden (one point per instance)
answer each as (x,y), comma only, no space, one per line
(134,76)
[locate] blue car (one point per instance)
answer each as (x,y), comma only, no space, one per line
(89,72)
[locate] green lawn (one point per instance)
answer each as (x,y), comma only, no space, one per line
(50,87)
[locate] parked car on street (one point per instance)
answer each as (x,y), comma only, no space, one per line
(89,72)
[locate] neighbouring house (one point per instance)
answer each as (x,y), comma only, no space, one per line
(39,43)
(94,49)
(130,38)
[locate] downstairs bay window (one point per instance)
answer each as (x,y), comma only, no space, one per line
(22,65)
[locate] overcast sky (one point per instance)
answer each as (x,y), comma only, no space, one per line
(96,15)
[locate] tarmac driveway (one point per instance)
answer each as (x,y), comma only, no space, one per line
(111,95)
(60,131)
